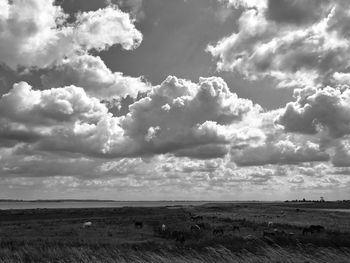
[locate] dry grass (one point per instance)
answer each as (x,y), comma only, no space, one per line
(57,235)
(87,254)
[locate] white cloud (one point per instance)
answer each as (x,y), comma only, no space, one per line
(190,119)
(105,27)
(297,43)
(282,150)
(35,33)
(200,120)
(318,110)
(259,4)
(179,135)
(60,119)
(278,147)
(92,74)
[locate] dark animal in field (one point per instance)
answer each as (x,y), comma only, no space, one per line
(234,228)
(279,232)
(138,224)
(201,225)
(307,230)
(218,231)
(312,229)
(269,233)
(175,233)
(87,224)
(195,228)
(317,228)
(195,218)
(180,238)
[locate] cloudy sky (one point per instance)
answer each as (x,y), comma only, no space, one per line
(174,99)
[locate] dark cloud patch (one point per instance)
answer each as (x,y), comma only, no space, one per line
(209,151)
(295,11)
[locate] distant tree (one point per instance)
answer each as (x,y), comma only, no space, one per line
(321,199)
(304,200)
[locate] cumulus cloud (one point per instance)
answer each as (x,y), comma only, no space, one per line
(297,43)
(199,136)
(92,74)
(279,147)
(60,119)
(25,105)
(178,116)
(35,33)
(105,27)
(318,110)
(341,155)
(187,118)
(323,114)
(133,6)
(279,150)
(258,4)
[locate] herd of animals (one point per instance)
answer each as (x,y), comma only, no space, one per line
(198,225)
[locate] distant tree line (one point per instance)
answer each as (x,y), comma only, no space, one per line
(321,200)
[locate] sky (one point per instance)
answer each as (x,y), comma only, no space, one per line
(175,99)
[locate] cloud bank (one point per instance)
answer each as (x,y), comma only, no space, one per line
(179,136)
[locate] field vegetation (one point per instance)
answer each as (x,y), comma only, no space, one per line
(228,233)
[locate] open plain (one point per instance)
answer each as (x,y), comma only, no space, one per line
(228,232)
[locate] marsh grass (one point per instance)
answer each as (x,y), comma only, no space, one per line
(38,236)
(28,253)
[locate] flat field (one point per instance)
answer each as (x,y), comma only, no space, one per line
(229,232)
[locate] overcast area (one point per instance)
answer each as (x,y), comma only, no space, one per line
(174,99)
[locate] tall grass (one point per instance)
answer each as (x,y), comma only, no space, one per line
(62,254)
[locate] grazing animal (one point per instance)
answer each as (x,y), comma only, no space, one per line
(87,224)
(317,228)
(218,231)
(270,224)
(175,233)
(279,232)
(195,228)
(138,224)
(180,238)
(236,228)
(307,230)
(163,228)
(201,225)
(268,233)
(195,218)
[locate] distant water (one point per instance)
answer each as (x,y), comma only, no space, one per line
(346,210)
(93,204)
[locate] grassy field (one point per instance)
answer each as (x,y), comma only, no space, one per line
(58,235)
